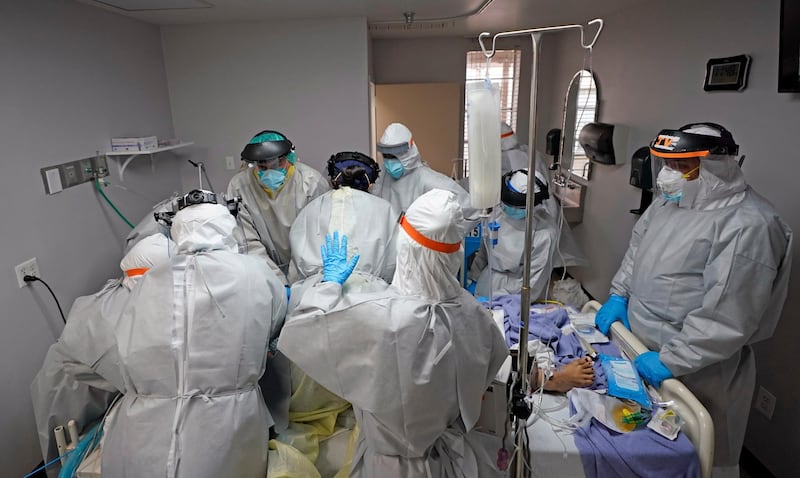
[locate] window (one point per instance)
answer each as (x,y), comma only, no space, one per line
(504,72)
(586,113)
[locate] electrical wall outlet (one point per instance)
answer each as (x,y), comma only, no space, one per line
(230,162)
(765,402)
(27,268)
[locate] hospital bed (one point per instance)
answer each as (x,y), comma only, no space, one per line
(553,452)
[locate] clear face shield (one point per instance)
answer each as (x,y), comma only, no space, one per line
(671,175)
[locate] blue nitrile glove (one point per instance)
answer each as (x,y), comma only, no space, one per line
(652,369)
(288,293)
(615,308)
(335,267)
(471,287)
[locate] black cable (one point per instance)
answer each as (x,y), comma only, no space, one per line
(34,278)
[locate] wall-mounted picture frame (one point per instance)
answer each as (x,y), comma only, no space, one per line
(789,51)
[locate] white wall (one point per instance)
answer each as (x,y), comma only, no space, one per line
(73,76)
(439,60)
(306,79)
(650,75)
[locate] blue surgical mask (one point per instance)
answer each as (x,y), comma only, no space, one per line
(394,167)
(517,213)
(272,179)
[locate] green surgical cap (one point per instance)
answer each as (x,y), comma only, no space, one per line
(264,137)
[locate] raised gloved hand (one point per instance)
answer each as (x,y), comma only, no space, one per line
(651,368)
(335,266)
(615,308)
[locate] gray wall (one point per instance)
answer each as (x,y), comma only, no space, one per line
(73,76)
(307,79)
(440,60)
(651,78)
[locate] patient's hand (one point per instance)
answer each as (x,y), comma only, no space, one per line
(578,373)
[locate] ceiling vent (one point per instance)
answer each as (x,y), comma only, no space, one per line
(154,5)
(416,26)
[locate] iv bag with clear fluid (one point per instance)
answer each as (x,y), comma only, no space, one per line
(483,130)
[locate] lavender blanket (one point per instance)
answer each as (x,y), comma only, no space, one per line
(604,452)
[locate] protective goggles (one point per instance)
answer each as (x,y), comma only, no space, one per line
(396,150)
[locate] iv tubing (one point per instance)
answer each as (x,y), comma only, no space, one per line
(525,304)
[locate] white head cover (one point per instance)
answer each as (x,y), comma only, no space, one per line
(145,254)
(508,139)
(519,181)
(720,183)
(436,216)
(204,227)
(398,136)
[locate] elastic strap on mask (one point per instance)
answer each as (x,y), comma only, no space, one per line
(447,248)
(686,175)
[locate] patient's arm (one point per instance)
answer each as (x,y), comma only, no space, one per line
(578,373)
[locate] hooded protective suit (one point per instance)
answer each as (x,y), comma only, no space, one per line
(515,156)
(705,278)
(369,222)
(80,375)
(507,258)
(414,360)
(417,177)
(267,217)
(192,345)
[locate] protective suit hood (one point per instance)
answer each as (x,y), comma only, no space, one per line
(204,227)
(145,254)
(433,221)
(721,183)
(398,141)
(508,139)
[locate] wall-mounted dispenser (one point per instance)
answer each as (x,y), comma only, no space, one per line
(604,143)
(642,177)
(551,146)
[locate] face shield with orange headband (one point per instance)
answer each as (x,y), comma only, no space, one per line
(677,155)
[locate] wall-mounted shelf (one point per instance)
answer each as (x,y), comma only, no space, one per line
(130,155)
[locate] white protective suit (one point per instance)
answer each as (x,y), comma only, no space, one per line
(267,217)
(414,360)
(507,256)
(706,278)
(192,345)
(514,156)
(418,177)
(80,375)
(369,222)
(148,226)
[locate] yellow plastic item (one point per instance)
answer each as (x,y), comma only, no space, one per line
(287,462)
(620,412)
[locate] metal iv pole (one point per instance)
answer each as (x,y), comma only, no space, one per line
(525,309)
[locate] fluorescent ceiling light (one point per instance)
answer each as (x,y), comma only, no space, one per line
(145,5)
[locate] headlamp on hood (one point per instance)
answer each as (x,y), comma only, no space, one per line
(198,196)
